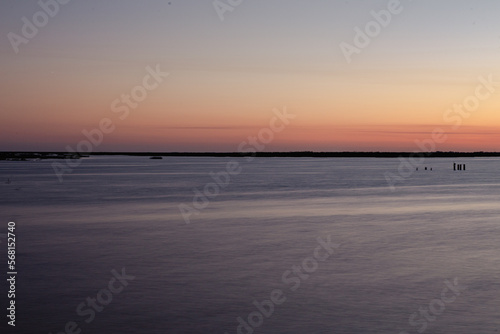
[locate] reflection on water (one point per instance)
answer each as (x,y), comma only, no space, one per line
(397,248)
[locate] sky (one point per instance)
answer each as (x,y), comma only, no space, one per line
(352,83)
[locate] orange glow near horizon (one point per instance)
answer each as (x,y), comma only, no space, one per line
(225,80)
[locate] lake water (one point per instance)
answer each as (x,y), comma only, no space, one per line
(422,258)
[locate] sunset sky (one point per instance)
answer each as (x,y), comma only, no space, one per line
(226,76)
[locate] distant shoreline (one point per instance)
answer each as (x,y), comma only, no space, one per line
(25,155)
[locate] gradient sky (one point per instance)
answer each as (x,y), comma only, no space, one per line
(227,76)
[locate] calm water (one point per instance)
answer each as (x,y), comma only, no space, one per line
(396,249)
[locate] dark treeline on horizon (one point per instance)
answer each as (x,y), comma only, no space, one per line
(8,155)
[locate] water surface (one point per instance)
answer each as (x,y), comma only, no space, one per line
(397,248)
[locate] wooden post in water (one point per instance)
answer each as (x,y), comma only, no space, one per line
(454,166)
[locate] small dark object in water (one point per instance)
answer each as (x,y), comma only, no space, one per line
(156,158)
